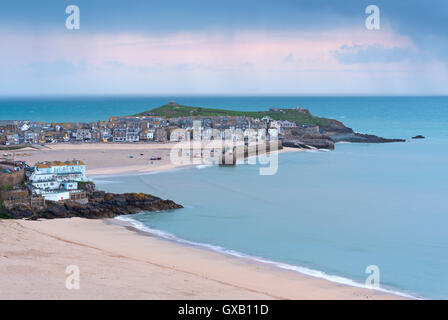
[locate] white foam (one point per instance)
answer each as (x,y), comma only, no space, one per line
(303,270)
(99,181)
(203,166)
(166,171)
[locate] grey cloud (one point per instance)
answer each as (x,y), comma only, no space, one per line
(373,53)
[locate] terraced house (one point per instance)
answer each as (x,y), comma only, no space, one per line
(58,180)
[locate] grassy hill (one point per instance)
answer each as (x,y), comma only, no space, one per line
(301,118)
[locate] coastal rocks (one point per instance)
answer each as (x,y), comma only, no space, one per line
(295,143)
(419,137)
(362,138)
(18,212)
(340,133)
(324,139)
(302,131)
(334,126)
(101,205)
(319,143)
(88,186)
(307,138)
(304,143)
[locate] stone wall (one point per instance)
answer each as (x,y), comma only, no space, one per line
(31,202)
(14,194)
(11,179)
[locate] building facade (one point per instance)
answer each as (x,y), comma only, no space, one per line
(57,180)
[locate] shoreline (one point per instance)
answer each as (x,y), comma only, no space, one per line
(113,159)
(253,268)
(136,226)
(44,248)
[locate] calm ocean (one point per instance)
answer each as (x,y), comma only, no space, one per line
(331,214)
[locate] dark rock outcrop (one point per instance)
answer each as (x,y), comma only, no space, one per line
(101,205)
(309,143)
(325,137)
(307,138)
(335,126)
(362,138)
(341,133)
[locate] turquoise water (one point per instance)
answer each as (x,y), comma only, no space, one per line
(392,116)
(336,212)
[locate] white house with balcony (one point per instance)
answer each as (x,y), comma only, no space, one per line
(56,180)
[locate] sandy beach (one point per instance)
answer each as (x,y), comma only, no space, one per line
(116,262)
(109,158)
(119,262)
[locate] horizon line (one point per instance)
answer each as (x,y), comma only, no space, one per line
(176,95)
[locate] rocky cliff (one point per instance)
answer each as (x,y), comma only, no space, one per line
(101,205)
(326,136)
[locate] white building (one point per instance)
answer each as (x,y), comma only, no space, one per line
(106,134)
(119,135)
(56,195)
(132,134)
(56,180)
(150,134)
(178,135)
(31,137)
(288,124)
(273,132)
(275,124)
(24,126)
(83,134)
(12,138)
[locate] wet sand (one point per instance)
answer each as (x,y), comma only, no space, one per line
(118,263)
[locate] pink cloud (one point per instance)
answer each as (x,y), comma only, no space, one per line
(246,61)
(211,50)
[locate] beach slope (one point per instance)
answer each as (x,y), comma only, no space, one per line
(116,262)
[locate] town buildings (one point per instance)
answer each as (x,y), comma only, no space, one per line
(135,129)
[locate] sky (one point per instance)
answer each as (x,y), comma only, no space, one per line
(281,47)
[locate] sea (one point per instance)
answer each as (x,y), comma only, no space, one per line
(331,215)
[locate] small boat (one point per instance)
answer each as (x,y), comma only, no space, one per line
(131,156)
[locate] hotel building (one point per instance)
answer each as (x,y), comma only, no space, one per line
(57,180)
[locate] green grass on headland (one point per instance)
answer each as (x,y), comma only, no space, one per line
(175,111)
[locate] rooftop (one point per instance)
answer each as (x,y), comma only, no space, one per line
(49,164)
